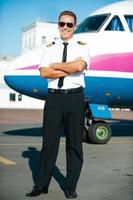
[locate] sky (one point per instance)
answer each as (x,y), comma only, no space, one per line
(15,14)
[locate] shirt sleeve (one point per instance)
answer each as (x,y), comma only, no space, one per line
(45,58)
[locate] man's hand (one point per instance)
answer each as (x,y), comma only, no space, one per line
(78,65)
(50,72)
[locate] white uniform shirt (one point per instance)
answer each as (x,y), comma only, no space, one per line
(53,54)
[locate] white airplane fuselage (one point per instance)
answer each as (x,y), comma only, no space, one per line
(109,79)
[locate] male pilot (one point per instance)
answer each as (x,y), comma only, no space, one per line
(63,64)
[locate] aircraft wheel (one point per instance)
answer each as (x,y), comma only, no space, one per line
(99,133)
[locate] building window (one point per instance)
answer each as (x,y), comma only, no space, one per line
(25,42)
(29,42)
(19,97)
(12,97)
(34,40)
(43,39)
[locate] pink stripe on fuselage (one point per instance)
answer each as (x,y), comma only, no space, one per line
(33,67)
(122,62)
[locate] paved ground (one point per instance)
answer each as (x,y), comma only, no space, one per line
(107,172)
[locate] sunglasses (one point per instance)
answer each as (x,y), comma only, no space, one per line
(69,24)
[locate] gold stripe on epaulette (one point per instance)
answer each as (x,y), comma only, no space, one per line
(80,42)
(50,44)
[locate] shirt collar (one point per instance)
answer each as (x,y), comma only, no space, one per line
(70,42)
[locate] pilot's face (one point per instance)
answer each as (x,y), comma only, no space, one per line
(66,26)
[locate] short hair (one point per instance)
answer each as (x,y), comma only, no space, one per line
(70,13)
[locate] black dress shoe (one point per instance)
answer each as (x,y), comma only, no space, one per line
(37,191)
(70,194)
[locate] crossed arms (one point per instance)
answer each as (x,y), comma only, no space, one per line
(57,70)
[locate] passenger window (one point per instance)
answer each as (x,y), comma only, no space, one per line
(129,20)
(115,25)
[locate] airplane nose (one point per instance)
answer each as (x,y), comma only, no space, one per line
(23,76)
(27,82)
(7,75)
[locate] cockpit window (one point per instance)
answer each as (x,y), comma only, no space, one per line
(115,25)
(92,24)
(129,20)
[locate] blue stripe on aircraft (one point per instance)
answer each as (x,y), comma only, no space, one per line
(101,90)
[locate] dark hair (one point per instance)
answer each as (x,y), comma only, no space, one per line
(70,13)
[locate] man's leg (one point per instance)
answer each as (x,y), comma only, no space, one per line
(51,138)
(74,123)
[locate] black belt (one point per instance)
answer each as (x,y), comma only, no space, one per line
(67,91)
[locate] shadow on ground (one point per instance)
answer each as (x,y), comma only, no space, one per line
(122,128)
(28,132)
(33,156)
(119,128)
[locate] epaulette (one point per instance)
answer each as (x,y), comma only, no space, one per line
(80,42)
(50,44)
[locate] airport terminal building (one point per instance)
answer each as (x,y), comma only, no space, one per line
(33,36)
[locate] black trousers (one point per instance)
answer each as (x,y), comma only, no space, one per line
(68,109)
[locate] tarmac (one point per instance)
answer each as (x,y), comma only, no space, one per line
(107,172)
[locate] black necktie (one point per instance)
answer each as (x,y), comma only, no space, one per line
(64,57)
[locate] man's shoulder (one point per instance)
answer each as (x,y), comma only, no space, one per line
(82,43)
(50,44)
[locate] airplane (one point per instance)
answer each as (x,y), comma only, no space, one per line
(109,79)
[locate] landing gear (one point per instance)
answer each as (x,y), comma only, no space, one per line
(96,132)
